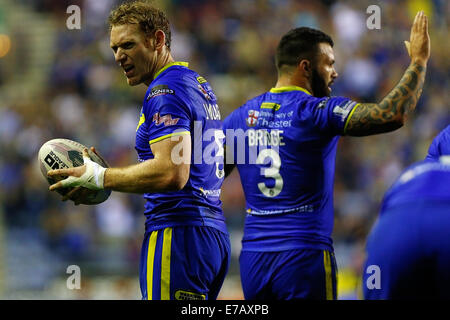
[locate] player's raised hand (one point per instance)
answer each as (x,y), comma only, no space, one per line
(90,175)
(419,42)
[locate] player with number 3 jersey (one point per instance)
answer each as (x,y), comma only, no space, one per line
(283,144)
(289,187)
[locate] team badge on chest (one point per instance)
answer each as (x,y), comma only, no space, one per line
(252,118)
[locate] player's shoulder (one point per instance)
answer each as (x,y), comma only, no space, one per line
(169,84)
(440,144)
(183,76)
(439,165)
(445,132)
(254,103)
(305,101)
(251,106)
(422,178)
(334,102)
(175,76)
(442,136)
(418,169)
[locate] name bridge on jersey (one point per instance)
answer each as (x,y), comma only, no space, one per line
(261,143)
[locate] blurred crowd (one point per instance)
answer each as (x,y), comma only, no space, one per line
(79,93)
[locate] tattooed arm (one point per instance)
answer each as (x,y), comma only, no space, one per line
(391,112)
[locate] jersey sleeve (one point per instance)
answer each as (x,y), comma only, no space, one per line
(331,114)
(166,115)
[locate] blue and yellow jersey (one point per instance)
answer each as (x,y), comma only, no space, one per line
(409,243)
(426,182)
(283,143)
(180,102)
(440,145)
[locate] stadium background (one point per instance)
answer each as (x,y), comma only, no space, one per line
(56,82)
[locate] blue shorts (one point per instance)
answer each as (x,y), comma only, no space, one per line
(286,275)
(183,263)
(408,254)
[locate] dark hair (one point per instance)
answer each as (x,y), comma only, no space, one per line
(298,44)
(143,14)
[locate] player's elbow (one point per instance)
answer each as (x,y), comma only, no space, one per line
(390,126)
(399,120)
(393,122)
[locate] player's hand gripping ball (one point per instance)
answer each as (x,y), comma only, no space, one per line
(59,154)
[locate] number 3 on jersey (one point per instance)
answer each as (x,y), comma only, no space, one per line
(272,172)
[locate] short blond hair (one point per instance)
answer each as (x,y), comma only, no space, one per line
(146,16)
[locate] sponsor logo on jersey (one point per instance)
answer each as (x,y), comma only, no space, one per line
(210,193)
(275,123)
(160,90)
(306,208)
(269,119)
(204,92)
(207,91)
(322,103)
(270,105)
(187,295)
(344,110)
(166,119)
(201,80)
(252,118)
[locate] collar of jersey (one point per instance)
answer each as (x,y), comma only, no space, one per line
(289,88)
(176,63)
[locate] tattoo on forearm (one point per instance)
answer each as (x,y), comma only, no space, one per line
(372,118)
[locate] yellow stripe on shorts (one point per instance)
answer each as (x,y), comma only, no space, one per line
(328,276)
(336,274)
(150,262)
(165,264)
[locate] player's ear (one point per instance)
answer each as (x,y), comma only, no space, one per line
(159,40)
(305,67)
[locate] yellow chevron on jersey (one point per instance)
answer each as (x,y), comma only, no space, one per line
(141,121)
(270,105)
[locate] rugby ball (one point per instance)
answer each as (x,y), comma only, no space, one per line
(62,154)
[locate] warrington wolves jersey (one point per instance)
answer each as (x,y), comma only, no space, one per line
(440,145)
(409,243)
(284,145)
(424,182)
(180,102)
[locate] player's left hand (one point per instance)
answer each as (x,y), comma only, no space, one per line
(90,175)
(77,194)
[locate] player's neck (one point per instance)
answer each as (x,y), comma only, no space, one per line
(167,59)
(163,61)
(290,80)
